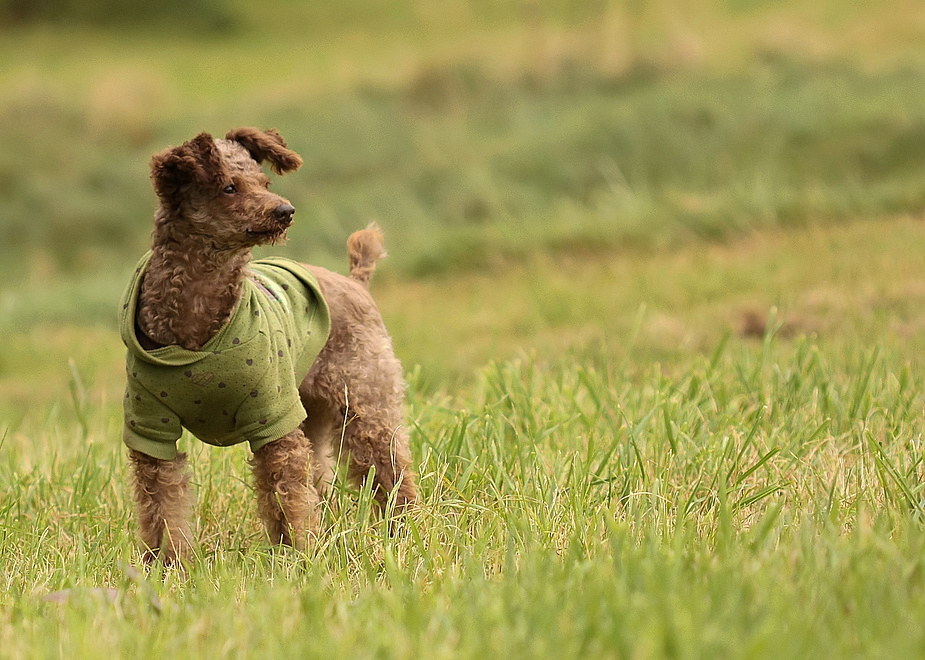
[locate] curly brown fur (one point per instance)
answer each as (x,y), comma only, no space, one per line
(267,146)
(356,388)
(354,393)
(365,248)
(214,208)
(286,502)
(163,504)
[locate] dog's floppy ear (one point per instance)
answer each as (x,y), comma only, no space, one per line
(267,146)
(193,162)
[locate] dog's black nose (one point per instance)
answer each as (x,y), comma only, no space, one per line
(283,213)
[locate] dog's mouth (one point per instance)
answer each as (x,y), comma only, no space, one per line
(273,228)
(263,235)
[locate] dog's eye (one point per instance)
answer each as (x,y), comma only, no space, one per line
(230,189)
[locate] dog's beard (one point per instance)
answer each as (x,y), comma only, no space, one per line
(267,237)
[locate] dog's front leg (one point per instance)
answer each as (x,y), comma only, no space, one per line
(286,502)
(163,506)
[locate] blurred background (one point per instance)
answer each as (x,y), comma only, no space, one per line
(481,134)
(474,130)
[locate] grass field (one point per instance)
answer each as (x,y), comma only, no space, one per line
(656,277)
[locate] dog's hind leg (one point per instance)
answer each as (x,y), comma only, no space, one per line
(163,506)
(384,448)
(286,502)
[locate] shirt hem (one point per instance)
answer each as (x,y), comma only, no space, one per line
(165,451)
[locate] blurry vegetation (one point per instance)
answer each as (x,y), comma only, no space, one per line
(482,132)
(217,15)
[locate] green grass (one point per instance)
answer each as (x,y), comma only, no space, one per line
(584,203)
(677,491)
(761,501)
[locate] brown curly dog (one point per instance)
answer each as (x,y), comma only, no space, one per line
(293,359)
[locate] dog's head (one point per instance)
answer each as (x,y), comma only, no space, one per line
(217,190)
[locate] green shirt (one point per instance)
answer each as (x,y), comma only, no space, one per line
(243,384)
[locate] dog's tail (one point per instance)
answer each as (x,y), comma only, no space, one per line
(365,248)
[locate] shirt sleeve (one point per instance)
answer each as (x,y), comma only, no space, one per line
(150,426)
